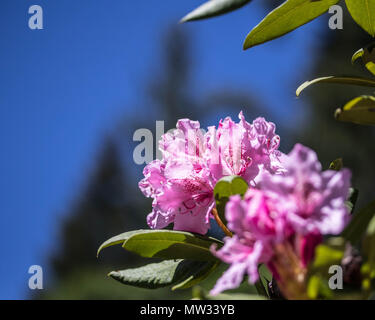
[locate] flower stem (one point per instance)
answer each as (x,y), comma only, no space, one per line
(220,223)
(293,276)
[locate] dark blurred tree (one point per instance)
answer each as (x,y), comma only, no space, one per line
(110,202)
(171,90)
(101,211)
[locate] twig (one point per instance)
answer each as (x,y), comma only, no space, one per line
(220,223)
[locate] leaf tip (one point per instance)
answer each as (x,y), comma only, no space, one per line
(112,274)
(338,113)
(196,14)
(336,164)
(247,44)
(301,88)
(98,252)
(185,19)
(357,55)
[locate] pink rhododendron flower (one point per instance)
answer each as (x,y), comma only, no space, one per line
(282,221)
(181,184)
(255,228)
(314,200)
(243,149)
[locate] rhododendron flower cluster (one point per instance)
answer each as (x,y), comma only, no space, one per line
(182,182)
(280,222)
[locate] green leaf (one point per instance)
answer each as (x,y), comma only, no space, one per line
(352,199)
(367,56)
(119,239)
(198,275)
(317,287)
(363,12)
(357,81)
(265,277)
(226,187)
(336,165)
(285,18)
(360,110)
(169,244)
(358,54)
(158,275)
(358,225)
(326,255)
(214,8)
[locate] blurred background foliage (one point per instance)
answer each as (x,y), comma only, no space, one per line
(110,202)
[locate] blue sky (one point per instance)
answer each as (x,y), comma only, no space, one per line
(63,87)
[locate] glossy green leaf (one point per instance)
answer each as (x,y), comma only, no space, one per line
(363,12)
(158,275)
(367,56)
(119,239)
(360,110)
(169,244)
(226,187)
(287,17)
(357,81)
(358,54)
(198,275)
(358,225)
(214,8)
